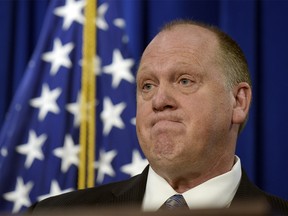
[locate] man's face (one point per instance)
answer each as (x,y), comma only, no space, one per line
(184,108)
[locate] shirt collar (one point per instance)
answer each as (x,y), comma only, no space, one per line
(217,192)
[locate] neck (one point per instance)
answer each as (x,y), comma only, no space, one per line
(186,181)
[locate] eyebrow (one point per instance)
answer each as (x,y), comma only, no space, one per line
(175,70)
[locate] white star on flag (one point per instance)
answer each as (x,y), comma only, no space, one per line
(47,101)
(101,22)
(104,165)
(59,56)
(119,69)
(68,153)
(97,62)
(32,149)
(133,121)
(110,115)
(136,166)
(54,190)
(120,23)
(74,108)
(71,11)
(4,152)
(20,196)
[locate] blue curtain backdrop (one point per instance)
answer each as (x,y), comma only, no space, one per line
(260,28)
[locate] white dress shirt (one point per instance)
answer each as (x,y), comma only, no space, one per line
(217,192)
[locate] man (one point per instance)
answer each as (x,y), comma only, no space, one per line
(193,98)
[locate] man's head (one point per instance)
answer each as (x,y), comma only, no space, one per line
(191,102)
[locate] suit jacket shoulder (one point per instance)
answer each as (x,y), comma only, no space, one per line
(247,192)
(124,193)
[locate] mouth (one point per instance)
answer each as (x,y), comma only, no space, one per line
(165,120)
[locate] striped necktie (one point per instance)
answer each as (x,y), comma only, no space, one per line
(176,201)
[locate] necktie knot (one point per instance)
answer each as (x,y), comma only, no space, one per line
(176,201)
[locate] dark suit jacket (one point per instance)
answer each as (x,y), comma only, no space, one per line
(131,193)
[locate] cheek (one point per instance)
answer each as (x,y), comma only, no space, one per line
(143,110)
(142,122)
(141,118)
(211,118)
(143,138)
(201,118)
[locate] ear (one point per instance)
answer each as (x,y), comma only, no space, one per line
(242,95)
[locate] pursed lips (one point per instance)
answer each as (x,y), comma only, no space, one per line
(165,119)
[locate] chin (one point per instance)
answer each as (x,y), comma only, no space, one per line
(164,151)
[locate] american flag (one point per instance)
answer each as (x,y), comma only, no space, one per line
(39,142)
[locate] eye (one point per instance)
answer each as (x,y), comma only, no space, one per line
(185,82)
(147,86)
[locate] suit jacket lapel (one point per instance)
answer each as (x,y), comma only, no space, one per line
(247,191)
(131,192)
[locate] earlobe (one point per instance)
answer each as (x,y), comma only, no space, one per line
(242,95)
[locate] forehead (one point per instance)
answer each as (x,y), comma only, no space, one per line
(184,36)
(186,45)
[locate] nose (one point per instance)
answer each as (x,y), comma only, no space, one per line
(163,99)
